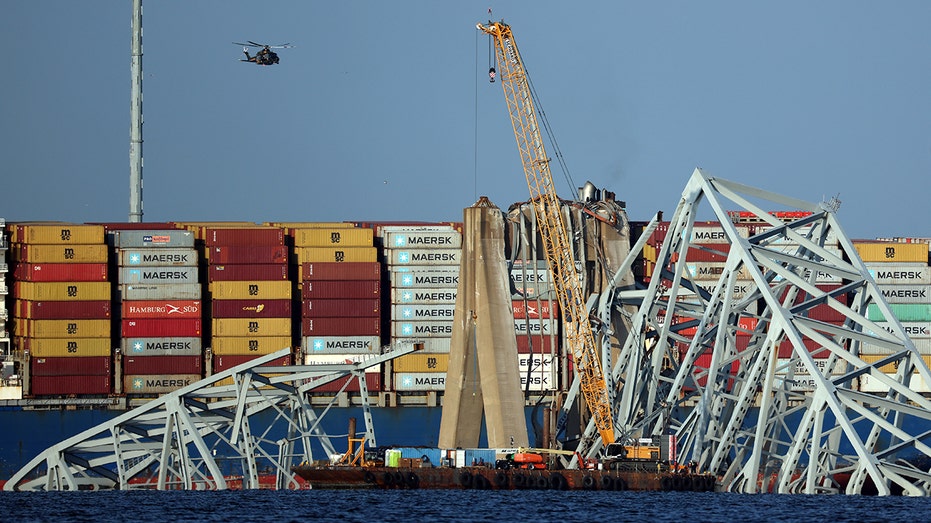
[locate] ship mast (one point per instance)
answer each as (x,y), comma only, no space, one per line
(135,117)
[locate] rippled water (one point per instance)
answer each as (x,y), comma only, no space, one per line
(426,505)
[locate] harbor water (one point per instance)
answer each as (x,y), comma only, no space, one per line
(424,505)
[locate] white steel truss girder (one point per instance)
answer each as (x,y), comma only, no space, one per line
(759,388)
(203,436)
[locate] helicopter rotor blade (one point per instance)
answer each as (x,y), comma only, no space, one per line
(255,44)
(250,44)
(281,46)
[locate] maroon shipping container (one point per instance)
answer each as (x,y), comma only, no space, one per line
(372,383)
(162,365)
(221,363)
(161,328)
(341,271)
(362,308)
(246,236)
(60,272)
(248,272)
(233,254)
(62,310)
(822,312)
(340,326)
(340,289)
(540,344)
(135,226)
(70,365)
(814,348)
(162,309)
(251,308)
(67,385)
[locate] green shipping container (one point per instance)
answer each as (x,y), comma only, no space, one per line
(902,311)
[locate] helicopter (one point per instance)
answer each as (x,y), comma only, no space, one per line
(265,56)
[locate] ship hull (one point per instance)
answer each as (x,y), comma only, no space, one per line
(483,478)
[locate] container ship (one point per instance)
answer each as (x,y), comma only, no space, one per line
(99,318)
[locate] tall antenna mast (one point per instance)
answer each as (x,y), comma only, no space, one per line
(135,117)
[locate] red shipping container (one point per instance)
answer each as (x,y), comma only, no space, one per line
(233,254)
(248,272)
(536,344)
(60,272)
(340,289)
(72,384)
(246,236)
(251,308)
(67,366)
(221,363)
(362,308)
(133,309)
(62,310)
(133,365)
(822,312)
(372,383)
(161,328)
(535,309)
(317,271)
(340,326)
(814,348)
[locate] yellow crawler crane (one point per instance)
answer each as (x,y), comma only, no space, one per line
(556,243)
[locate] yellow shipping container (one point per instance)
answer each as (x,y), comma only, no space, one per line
(650,252)
(32,253)
(248,345)
(892,252)
(250,290)
(62,291)
(311,225)
(63,329)
(333,237)
(59,347)
(253,327)
(56,233)
(421,363)
(336,254)
(889,368)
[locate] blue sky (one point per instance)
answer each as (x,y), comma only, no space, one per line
(383,110)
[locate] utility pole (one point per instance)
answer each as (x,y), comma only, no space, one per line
(135,116)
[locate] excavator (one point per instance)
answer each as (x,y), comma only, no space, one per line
(556,241)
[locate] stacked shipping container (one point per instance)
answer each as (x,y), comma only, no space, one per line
(340,290)
(6,362)
(249,292)
(61,317)
(160,309)
(423,272)
(902,273)
(536,325)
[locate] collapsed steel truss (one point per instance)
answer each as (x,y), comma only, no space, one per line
(796,422)
(203,437)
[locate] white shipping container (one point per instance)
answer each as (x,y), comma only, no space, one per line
(915,330)
(906,293)
(161,347)
(425,278)
(423,239)
(539,370)
(705,234)
(922,344)
(442,312)
(899,274)
(430,345)
(536,326)
(419,381)
(829,241)
(341,344)
(869,383)
(157,257)
(160,291)
(423,296)
(434,257)
(158,239)
(712,271)
(531,276)
(382,230)
(341,359)
(174,275)
(422,329)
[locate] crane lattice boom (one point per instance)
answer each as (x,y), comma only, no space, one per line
(556,243)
